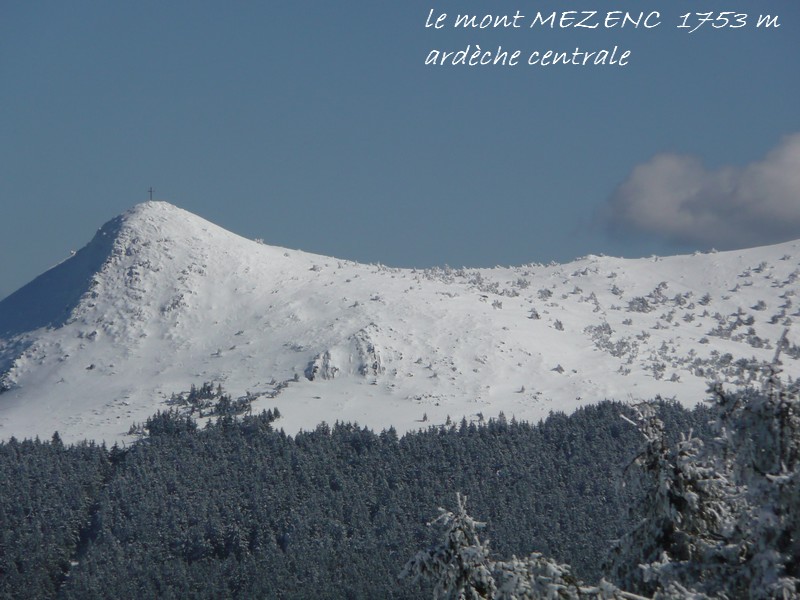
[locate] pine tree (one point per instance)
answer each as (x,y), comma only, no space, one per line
(461,568)
(759,441)
(721,518)
(685,504)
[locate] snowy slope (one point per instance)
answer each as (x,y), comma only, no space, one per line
(161,299)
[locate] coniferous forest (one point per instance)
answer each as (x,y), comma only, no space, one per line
(240,509)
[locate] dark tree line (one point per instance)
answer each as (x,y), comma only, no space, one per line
(47,494)
(239,509)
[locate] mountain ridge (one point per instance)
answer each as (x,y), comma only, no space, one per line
(161,299)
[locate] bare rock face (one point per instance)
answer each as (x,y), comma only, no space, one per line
(357,356)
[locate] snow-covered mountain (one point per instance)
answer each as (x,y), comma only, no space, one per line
(161,299)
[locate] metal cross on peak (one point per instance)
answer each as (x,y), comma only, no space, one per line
(150,191)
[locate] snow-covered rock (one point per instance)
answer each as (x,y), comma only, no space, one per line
(161,299)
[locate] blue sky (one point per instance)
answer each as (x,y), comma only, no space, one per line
(317,125)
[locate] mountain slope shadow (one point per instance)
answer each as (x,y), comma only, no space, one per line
(49,300)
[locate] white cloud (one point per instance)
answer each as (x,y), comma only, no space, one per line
(676,198)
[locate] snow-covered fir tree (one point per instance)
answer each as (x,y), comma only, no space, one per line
(720,519)
(460,568)
(459,565)
(685,503)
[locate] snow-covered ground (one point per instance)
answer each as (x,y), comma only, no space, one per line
(162,299)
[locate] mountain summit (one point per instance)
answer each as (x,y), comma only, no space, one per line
(161,300)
